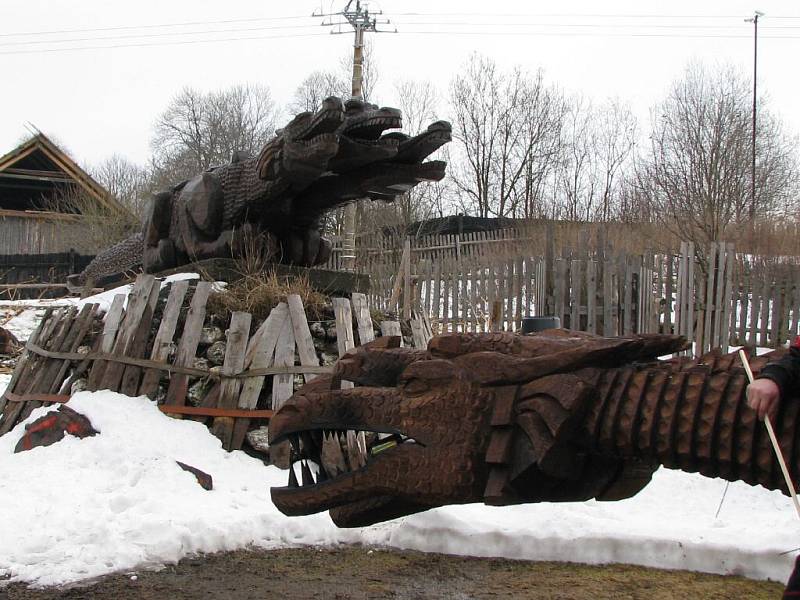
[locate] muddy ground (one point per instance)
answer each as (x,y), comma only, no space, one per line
(354,573)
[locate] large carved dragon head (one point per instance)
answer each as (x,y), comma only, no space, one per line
(348,139)
(475,418)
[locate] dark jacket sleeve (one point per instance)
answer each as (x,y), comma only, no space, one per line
(785,371)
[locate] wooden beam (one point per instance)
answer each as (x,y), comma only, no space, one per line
(202,411)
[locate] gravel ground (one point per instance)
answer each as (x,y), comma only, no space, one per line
(347,573)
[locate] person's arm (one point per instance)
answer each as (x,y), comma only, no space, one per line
(765,393)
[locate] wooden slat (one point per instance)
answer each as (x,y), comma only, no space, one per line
(302,335)
(163,340)
(282,385)
(575,295)
(187,347)
(137,304)
(591,296)
(389,328)
(131,378)
(363,318)
(111,326)
(235,350)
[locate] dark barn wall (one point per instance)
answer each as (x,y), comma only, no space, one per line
(39,268)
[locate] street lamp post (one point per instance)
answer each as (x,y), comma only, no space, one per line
(754,21)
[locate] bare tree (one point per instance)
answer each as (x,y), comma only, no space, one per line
(199,130)
(127,182)
(316,87)
(697,169)
(598,144)
(506,126)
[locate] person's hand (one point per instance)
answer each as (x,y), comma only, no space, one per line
(763,396)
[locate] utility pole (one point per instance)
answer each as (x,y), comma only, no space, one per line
(754,21)
(361,20)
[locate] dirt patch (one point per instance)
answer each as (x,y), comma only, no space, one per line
(356,573)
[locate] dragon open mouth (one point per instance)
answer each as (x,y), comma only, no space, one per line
(371,128)
(318,456)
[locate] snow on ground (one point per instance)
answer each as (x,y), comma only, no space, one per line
(117,501)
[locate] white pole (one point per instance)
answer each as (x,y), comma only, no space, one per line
(773,439)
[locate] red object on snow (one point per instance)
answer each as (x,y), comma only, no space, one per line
(52,428)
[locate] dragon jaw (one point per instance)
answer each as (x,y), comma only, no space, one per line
(392,472)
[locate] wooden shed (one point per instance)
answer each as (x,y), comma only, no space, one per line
(37,182)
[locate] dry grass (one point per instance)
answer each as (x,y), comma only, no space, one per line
(259,294)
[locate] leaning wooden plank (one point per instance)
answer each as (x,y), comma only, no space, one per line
(344,330)
(109,335)
(235,350)
(392,328)
(417,334)
(23,360)
(344,325)
(137,304)
(363,318)
(187,348)
(28,382)
(55,370)
(138,347)
(60,341)
(302,335)
(163,340)
(75,341)
(259,356)
(282,387)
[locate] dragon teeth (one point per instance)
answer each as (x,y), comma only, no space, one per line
(308,477)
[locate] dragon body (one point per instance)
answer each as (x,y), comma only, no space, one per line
(506,419)
(317,162)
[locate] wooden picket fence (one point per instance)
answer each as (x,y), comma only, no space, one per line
(491,280)
(126,357)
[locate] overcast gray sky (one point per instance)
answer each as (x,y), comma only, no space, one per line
(103,97)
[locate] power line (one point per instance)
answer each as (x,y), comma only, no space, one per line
(590,34)
(164,43)
(156,25)
(155,35)
(591,25)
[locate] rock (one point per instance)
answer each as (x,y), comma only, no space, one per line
(200,363)
(330,332)
(161,395)
(210,335)
(197,391)
(78,385)
(9,344)
(259,439)
(204,479)
(328,359)
(317,330)
(83,349)
(216,353)
(53,426)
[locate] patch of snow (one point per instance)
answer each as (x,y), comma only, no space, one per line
(117,501)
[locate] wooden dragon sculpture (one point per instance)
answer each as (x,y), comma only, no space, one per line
(503,418)
(317,162)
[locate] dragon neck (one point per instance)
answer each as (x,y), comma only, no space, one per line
(692,417)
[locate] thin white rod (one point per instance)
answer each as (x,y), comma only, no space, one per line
(773,439)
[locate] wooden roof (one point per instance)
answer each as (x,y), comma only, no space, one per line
(39,162)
